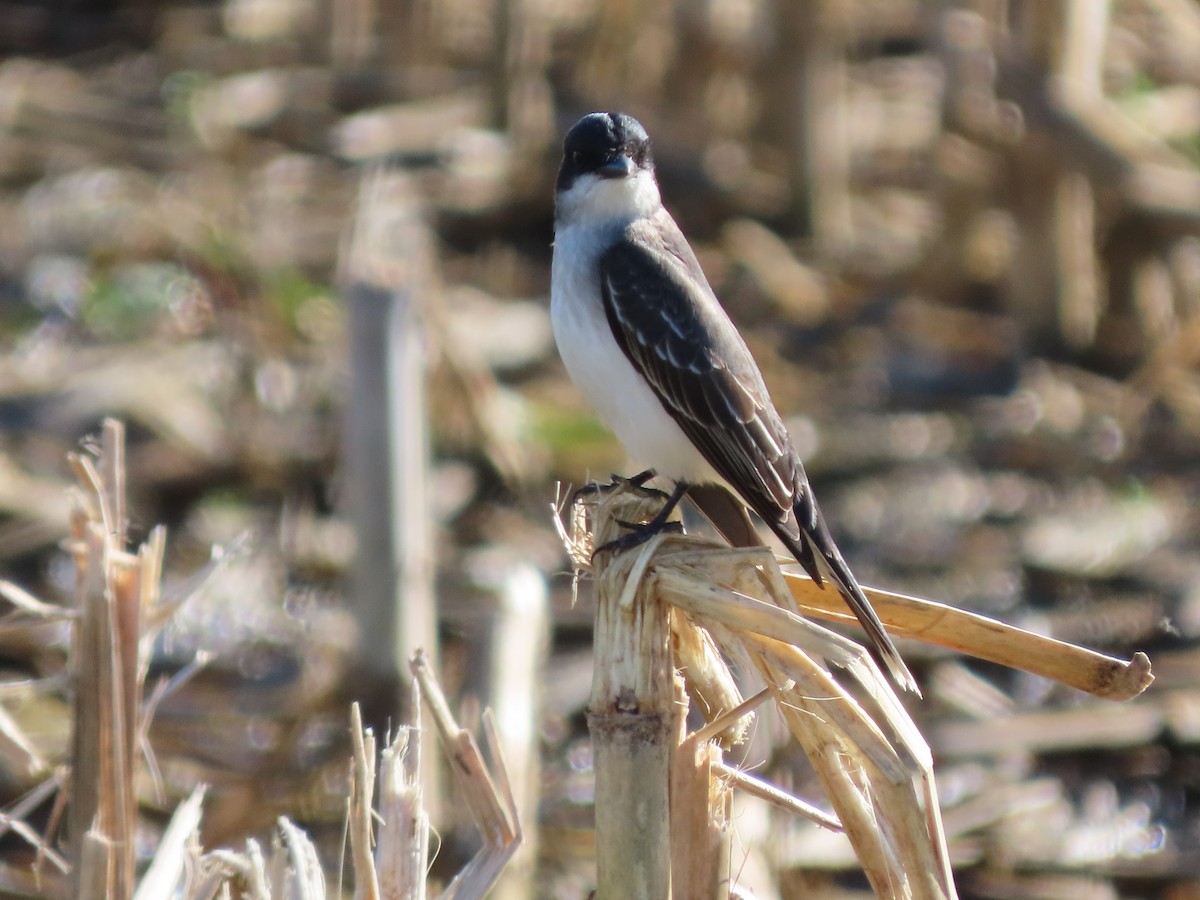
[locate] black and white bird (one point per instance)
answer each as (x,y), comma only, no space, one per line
(645,339)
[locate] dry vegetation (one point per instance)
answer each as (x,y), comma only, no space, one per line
(963,239)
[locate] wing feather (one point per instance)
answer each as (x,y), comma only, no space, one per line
(669,323)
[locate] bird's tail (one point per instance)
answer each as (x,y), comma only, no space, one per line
(820,557)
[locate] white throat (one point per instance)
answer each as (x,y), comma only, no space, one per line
(596,201)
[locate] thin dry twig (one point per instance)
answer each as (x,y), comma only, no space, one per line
(773,795)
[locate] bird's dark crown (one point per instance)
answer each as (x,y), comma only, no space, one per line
(597,139)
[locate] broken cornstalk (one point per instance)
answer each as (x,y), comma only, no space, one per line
(679,603)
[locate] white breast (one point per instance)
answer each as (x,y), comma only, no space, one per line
(601,371)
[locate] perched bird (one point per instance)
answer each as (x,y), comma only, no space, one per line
(645,339)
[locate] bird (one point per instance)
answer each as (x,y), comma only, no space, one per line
(646,341)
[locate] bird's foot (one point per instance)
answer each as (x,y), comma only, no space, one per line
(641,532)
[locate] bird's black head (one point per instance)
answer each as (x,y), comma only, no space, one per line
(610,145)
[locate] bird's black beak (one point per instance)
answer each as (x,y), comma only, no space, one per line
(620,166)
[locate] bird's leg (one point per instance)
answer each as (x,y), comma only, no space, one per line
(640,533)
(659,522)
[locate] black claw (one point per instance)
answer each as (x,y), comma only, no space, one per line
(640,533)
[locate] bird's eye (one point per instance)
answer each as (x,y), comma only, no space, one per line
(579,158)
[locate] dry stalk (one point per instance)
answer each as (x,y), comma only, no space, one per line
(742,596)
(362,789)
(709,681)
(18,755)
(886,803)
(107,667)
(402,851)
(293,869)
(489,799)
(631,713)
(115,617)
(389,284)
(387,280)
(397,869)
(290,869)
(1101,676)
(172,857)
(700,814)
(876,768)
(95,867)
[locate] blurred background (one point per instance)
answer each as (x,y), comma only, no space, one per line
(301,247)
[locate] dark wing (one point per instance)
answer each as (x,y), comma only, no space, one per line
(669,324)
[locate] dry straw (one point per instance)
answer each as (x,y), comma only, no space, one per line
(670,612)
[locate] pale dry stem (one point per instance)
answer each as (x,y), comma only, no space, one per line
(488,798)
(742,593)
(402,852)
(935,623)
(362,792)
